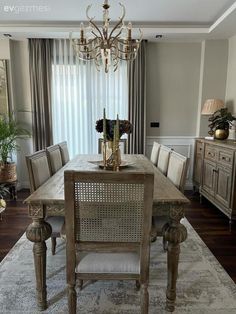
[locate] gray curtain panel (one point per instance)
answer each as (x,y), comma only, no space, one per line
(40,58)
(137,101)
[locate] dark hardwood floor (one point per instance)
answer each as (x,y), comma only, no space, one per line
(14,222)
(211,225)
(214,229)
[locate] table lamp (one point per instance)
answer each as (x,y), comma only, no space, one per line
(211,106)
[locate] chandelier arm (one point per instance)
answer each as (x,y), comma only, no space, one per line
(95,26)
(141,35)
(87,10)
(116,26)
(123,11)
(116,37)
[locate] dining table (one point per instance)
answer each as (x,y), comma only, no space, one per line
(48,200)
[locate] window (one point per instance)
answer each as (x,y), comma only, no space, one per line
(79,94)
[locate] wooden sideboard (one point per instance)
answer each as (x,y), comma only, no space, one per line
(214,173)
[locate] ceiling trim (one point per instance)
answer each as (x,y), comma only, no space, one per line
(223,17)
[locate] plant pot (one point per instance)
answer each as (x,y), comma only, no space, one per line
(8,172)
(221,134)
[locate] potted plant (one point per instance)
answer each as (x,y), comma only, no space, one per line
(220,123)
(3,192)
(10,131)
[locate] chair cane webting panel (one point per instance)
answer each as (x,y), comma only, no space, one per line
(109,211)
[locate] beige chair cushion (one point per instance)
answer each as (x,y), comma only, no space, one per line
(64,153)
(55,160)
(40,169)
(155,153)
(176,169)
(163,159)
(109,263)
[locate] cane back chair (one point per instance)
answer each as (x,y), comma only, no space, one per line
(108,217)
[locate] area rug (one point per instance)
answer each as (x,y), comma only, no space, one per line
(203,285)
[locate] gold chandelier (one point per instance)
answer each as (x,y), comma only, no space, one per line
(104,47)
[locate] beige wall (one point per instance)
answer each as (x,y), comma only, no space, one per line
(173,71)
(214,76)
(231,77)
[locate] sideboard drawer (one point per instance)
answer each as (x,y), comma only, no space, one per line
(226,157)
(200,146)
(211,152)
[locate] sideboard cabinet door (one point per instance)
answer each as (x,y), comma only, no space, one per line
(223,185)
(215,172)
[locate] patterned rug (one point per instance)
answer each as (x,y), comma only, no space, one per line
(203,285)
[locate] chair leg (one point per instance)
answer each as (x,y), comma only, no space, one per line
(144,298)
(71,299)
(54,244)
(80,284)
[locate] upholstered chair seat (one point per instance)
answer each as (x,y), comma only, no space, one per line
(109,263)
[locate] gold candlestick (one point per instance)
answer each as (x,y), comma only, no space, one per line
(104,139)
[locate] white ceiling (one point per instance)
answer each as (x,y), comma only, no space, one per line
(174,19)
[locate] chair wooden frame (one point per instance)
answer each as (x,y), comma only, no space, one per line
(122,140)
(54,164)
(64,152)
(56,222)
(164,152)
(72,179)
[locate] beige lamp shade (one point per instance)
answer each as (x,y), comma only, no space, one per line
(212,105)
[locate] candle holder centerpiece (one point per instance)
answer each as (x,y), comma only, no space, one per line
(112,131)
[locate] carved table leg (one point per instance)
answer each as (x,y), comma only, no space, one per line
(175,233)
(38,232)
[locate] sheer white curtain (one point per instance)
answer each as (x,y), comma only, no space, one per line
(79,94)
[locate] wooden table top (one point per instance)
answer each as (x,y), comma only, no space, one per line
(52,191)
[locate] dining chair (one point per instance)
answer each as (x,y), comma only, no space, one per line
(108,218)
(177,169)
(163,159)
(55,159)
(123,145)
(155,153)
(39,172)
(64,152)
